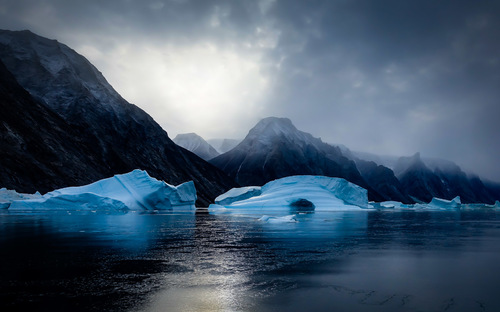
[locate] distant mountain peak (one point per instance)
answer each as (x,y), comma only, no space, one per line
(196,144)
(273,126)
(271,129)
(409,162)
(275,148)
(190,135)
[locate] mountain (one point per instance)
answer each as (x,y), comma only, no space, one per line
(223,145)
(36,152)
(196,144)
(274,148)
(424,179)
(383,180)
(378,175)
(67,126)
(418,180)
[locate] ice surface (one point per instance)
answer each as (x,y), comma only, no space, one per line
(435,204)
(238,194)
(284,219)
(8,196)
(391,205)
(445,204)
(135,190)
(324,194)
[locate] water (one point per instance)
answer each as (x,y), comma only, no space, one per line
(338,261)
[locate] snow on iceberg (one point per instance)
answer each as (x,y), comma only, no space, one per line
(298,194)
(135,190)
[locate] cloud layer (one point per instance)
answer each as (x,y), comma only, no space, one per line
(388,76)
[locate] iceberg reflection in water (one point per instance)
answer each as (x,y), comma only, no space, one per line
(365,260)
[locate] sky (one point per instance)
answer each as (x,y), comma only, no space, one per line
(388,76)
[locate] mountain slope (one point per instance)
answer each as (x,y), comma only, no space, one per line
(196,144)
(418,180)
(35,153)
(424,179)
(429,177)
(383,180)
(111,135)
(223,145)
(274,148)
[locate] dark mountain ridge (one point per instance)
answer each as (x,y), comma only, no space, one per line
(274,148)
(106,135)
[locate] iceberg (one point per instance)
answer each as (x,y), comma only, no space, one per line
(436,204)
(392,205)
(8,196)
(135,190)
(238,194)
(296,194)
(284,219)
(445,204)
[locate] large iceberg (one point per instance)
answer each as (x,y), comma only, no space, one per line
(297,194)
(135,190)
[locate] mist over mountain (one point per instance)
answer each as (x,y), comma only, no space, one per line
(274,148)
(423,178)
(68,126)
(223,145)
(196,144)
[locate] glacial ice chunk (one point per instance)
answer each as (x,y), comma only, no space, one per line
(8,196)
(445,204)
(318,192)
(238,194)
(135,190)
(284,219)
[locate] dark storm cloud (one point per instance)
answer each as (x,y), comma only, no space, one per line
(387,76)
(396,76)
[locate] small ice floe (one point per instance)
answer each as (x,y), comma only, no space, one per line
(284,219)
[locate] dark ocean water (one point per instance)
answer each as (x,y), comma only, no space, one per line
(337,261)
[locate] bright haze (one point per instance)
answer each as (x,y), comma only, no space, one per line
(388,77)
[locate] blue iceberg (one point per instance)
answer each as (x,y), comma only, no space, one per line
(135,190)
(296,194)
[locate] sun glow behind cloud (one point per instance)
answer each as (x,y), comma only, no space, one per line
(198,88)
